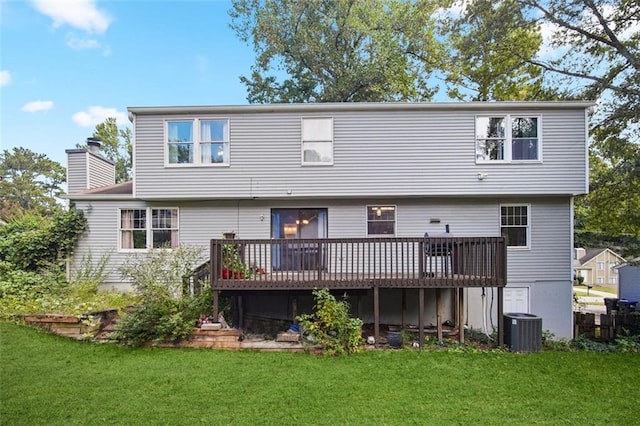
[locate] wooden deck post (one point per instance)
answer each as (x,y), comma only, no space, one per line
(376,314)
(439,313)
(240,313)
(294,310)
(421,317)
(215,305)
(500,317)
(404,308)
(461,319)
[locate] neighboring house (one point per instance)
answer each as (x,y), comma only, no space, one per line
(597,266)
(629,277)
(290,179)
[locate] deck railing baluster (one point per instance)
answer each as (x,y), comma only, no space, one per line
(361,263)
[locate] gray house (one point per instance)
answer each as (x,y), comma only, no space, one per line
(298,183)
(629,285)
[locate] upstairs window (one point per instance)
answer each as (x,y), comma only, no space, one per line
(515,224)
(141,229)
(180,140)
(508,138)
(214,142)
(317,141)
(381,220)
(198,142)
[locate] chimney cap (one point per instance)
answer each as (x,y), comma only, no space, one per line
(94,144)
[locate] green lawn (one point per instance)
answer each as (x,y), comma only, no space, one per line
(47,379)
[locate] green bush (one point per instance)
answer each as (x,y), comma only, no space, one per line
(330,325)
(165,314)
(33,242)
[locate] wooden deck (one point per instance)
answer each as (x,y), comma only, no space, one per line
(360,263)
(307,280)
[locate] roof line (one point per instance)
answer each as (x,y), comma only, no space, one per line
(355,106)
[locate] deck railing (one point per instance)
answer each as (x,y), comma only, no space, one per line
(344,263)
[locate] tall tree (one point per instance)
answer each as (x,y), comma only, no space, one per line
(490,42)
(31,181)
(340,50)
(599,45)
(116,146)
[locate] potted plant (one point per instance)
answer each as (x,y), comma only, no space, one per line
(232,265)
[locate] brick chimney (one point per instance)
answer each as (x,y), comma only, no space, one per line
(88,169)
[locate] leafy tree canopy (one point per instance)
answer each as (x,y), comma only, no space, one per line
(599,45)
(116,146)
(31,181)
(490,44)
(339,51)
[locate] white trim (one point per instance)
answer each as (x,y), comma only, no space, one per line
(196,141)
(508,139)
(528,206)
(302,142)
(586,148)
(165,141)
(133,157)
(360,106)
(366,219)
(148,228)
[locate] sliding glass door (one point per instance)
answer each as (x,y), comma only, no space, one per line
(298,224)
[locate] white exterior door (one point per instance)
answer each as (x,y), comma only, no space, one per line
(516,299)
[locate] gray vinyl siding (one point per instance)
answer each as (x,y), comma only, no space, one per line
(629,282)
(101,172)
(549,258)
(376,154)
(76,171)
(101,237)
(550,254)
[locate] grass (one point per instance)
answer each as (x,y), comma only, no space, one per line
(47,379)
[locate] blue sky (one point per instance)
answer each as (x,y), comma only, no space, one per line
(66,65)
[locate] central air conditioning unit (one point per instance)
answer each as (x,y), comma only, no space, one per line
(522,332)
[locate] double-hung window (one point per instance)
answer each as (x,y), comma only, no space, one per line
(180,142)
(508,138)
(214,142)
(381,220)
(142,229)
(515,224)
(198,142)
(317,141)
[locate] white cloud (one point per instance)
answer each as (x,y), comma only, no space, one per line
(455,10)
(82,43)
(547,49)
(36,106)
(97,114)
(81,14)
(5,78)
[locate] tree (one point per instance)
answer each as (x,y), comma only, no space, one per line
(339,51)
(482,65)
(116,146)
(31,181)
(599,43)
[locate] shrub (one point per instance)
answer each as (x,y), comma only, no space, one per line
(330,325)
(164,314)
(32,242)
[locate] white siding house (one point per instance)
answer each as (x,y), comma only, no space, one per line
(362,170)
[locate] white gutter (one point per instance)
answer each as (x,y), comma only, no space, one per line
(356,106)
